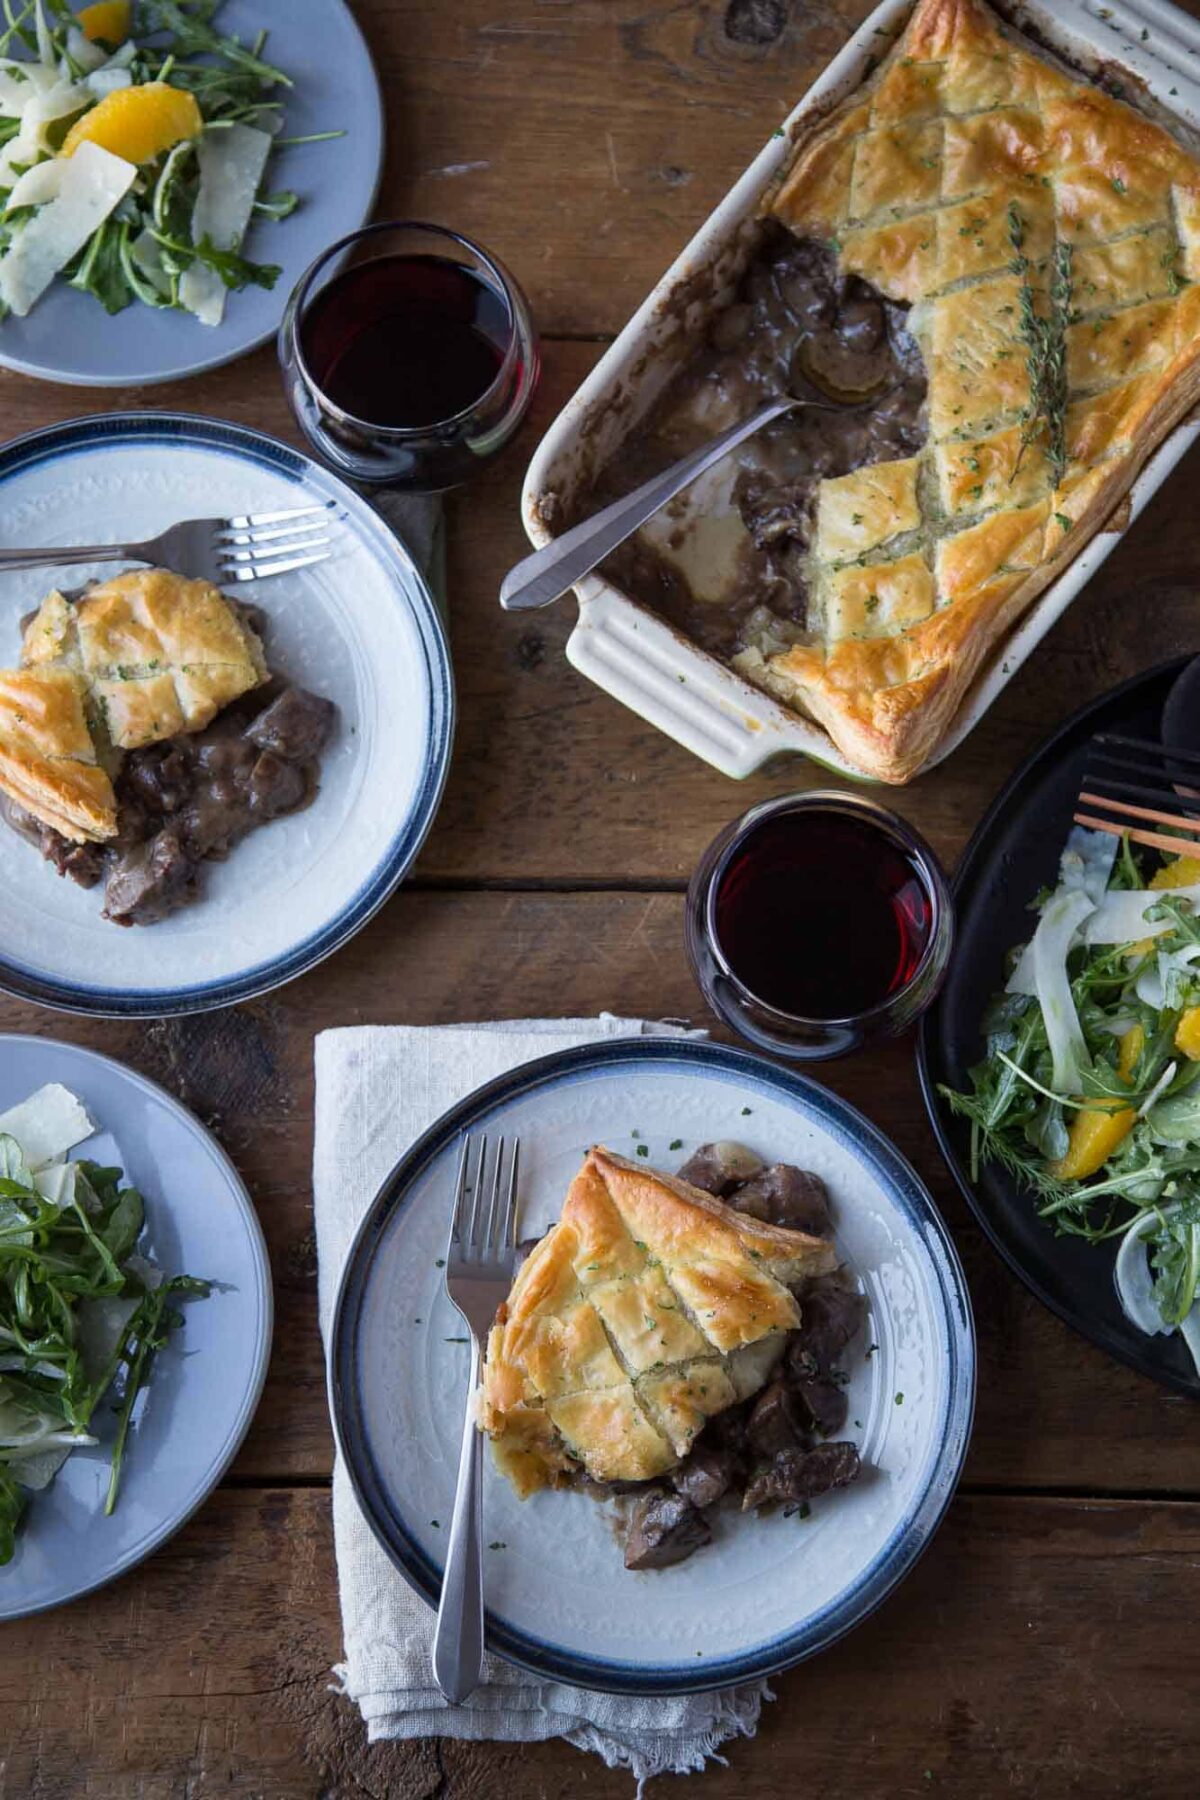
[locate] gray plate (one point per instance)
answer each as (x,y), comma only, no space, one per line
(204,1386)
(69,337)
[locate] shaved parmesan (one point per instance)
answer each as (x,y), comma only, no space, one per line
(37,185)
(84,54)
(94,182)
(56,1183)
(107,81)
(47,1125)
(1120,917)
(231,163)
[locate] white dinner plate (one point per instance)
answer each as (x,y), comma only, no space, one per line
(69,337)
(768,1591)
(361,628)
(204,1385)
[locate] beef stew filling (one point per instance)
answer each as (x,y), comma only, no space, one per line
(190,799)
(773,1449)
(725,561)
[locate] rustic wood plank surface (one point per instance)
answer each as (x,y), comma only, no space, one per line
(1040,1646)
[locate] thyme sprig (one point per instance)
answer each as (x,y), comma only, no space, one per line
(1045,416)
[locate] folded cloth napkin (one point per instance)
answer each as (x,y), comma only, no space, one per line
(378,1088)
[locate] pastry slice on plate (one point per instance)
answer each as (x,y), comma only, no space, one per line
(161,655)
(48,762)
(650,1309)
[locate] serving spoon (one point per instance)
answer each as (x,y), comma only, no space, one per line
(546,575)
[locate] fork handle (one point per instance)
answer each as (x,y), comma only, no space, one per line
(81,553)
(558,565)
(458,1639)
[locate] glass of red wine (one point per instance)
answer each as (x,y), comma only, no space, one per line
(818,923)
(409,356)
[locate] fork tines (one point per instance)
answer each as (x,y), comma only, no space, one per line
(252,545)
(1138,784)
(485,1206)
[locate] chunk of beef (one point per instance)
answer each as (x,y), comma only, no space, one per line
(295,726)
(728,1428)
(830,1315)
(777,1422)
(821,1404)
(158,778)
(665,1528)
(706,1475)
(147,880)
(275,786)
(803,1474)
(781,1194)
(718,1168)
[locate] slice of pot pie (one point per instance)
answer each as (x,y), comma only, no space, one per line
(147,656)
(160,654)
(650,1308)
(48,760)
(1047,238)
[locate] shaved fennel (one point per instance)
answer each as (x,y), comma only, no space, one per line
(1089,1091)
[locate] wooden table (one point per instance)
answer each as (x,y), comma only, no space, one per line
(1044,1644)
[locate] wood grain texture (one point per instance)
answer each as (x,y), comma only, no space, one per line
(1029,1654)
(449,957)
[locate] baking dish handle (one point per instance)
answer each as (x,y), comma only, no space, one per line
(666,680)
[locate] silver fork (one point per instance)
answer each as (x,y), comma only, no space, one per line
(479,1265)
(247,547)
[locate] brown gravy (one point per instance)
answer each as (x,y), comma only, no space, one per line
(753,567)
(190,799)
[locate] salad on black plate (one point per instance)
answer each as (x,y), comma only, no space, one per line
(1089,1092)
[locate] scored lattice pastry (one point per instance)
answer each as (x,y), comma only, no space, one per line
(143,657)
(1047,237)
(650,1307)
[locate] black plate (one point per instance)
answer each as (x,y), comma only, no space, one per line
(1012,855)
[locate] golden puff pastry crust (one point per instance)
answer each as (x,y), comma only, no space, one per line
(1047,237)
(160,654)
(48,762)
(649,1307)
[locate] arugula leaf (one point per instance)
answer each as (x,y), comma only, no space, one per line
(54,1261)
(189,23)
(12,1505)
(100,269)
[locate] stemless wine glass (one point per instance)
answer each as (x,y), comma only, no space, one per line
(874,969)
(409,356)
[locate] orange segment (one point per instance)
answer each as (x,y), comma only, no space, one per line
(1096,1132)
(107,21)
(137,123)
(1183,872)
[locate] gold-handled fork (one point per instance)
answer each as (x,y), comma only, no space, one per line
(479,1267)
(1127,773)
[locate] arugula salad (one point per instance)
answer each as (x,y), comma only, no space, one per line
(82,1313)
(134,138)
(1089,1093)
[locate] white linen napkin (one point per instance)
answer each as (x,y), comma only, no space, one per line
(378,1089)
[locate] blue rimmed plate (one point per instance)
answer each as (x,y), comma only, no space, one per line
(769,1591)
(69,337)
(206,1382)
(361,628)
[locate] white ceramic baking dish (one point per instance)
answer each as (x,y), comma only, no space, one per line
(639,658)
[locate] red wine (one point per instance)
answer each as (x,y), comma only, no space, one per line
(821,915)
(406,341)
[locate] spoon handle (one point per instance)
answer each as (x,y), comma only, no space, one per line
(549,572)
